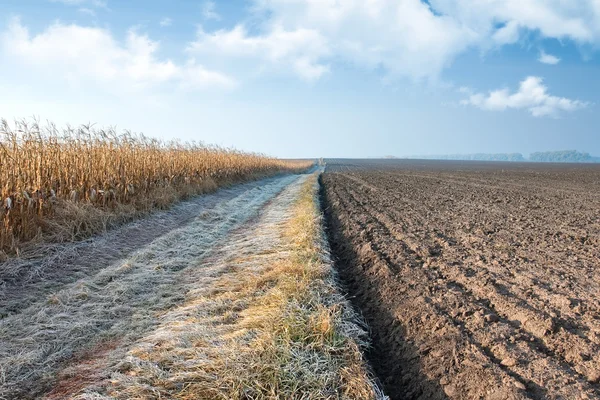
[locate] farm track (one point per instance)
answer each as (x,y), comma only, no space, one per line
(43,269)
(108,292)
(478,281)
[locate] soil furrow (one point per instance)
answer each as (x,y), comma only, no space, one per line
(463,260)
(527,317)
(510,304)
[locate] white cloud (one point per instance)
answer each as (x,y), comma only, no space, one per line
(79,54)
(209,11)
(403,38)
(575,20)
(165,22)
(197,76)
(548,58)
(532,96)
(507,34)
(299,49)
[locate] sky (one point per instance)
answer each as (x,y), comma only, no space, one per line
(312,78)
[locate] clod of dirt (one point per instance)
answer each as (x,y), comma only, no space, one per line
(491,318)
(508,362)
(594,377)
(450,390)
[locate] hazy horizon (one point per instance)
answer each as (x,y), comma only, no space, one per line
(300,79)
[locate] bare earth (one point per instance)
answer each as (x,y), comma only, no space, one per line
(478,280)
(71,315)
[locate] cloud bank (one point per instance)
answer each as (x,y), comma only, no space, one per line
(78,53)
(308,39)
(403,38)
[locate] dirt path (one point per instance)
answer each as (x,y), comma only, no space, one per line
(100,296)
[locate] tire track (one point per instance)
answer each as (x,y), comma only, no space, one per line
(119,300)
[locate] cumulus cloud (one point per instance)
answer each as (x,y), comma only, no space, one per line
(414,39)
(299,49)
(548,58)
(532,96)
(79,53)
(403,38)
(575,20)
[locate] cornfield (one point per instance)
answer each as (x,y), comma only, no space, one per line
(69,183)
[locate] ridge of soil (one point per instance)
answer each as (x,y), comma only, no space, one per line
(478,280)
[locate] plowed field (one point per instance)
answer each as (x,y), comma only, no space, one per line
(478,280)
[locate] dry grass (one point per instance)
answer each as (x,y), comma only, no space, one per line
(296,337)
(68,184)
(309,342)
(80,327)
(270,324)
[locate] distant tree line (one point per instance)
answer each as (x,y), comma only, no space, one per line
(477,157)
(561,156)
(565,156)
(490,157)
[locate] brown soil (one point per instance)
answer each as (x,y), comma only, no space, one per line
(478,280)
(83,370)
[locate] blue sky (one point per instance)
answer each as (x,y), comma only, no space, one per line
(309,78)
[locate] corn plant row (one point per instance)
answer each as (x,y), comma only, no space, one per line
(42,168)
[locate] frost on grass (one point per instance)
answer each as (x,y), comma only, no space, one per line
(121,302)
(267,322)
(45,268)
